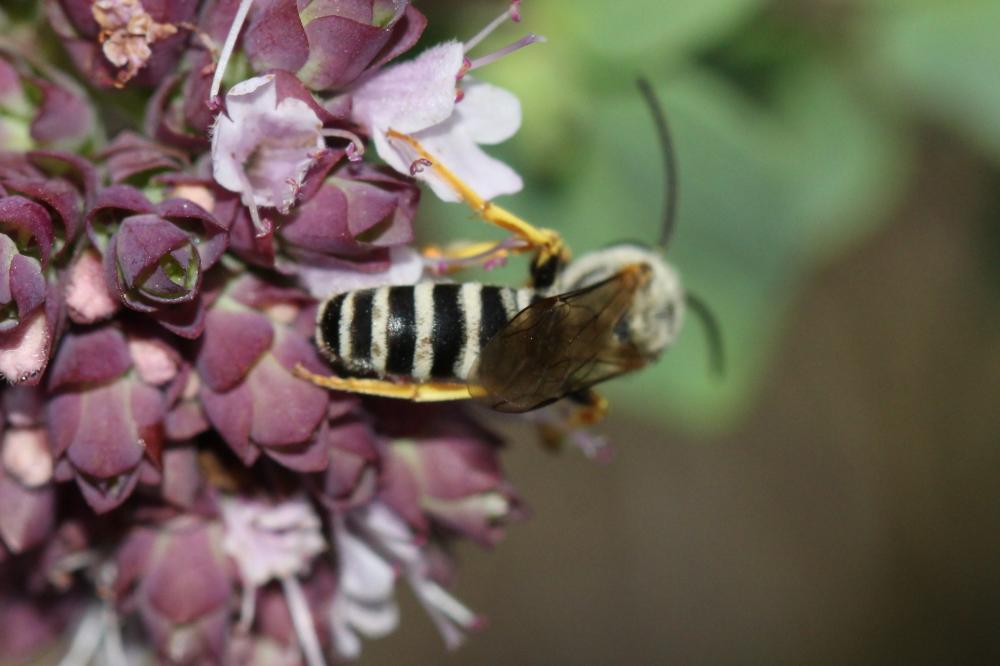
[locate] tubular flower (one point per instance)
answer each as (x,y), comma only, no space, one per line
(170,490)
(267,140)
(245,360)
(155,256)
(105,422)
(447,471)
(276,542)
(177,578)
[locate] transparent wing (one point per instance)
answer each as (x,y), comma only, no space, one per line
(560,345)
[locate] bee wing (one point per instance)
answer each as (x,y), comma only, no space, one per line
(560,345)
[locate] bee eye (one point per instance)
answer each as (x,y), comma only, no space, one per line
(669,313)
(622,329)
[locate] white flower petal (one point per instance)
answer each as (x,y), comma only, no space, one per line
(452,145)
(346,642)
(25,350)
(406,267)
(364,574)
(270,541)
(25,456)
(412,95)
(375,621)
(264,142)
(488,113)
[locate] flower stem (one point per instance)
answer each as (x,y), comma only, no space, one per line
(228,46)
(302,620)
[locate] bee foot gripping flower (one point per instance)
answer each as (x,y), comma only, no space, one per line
(422,98)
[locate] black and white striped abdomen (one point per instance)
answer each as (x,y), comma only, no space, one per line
(423,331)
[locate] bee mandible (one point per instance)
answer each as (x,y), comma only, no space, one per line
(577,324)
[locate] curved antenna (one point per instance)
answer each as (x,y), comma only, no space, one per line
(669,162)
(713,333)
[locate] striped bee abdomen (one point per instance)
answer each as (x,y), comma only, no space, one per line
(421,332)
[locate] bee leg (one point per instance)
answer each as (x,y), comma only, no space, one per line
(593,407)
(458,256)
(382,388)
(546,243)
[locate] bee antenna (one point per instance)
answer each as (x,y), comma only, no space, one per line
(713,333)
(669,161)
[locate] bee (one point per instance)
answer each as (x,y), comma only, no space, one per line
(579,323)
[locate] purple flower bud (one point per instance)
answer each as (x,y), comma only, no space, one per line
(351,221)
(351,477)
(31,622)
(154,260)
(131,155)
(176,576)
(40,106)
(445,468)
(153,263)
(246,356)
(182,480)
(26,329)
(26,492)
(61,182)
(330,45)
(104,422)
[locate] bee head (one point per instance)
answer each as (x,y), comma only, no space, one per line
(654,318)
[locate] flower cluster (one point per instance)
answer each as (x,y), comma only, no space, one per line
(170,214)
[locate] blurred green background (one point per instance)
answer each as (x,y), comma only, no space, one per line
(835,499)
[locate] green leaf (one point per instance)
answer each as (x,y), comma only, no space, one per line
(651,28)
(945,58)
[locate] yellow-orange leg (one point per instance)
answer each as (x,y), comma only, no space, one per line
(382,388)
(593,409)
(546,242)
(458,256)
(591,413)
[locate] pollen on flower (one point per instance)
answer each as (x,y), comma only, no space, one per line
(419,164)
(127,31)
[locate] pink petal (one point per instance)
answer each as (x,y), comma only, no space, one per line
(285,409)
(90,357)
(87,297)
(24,352)
(232,344)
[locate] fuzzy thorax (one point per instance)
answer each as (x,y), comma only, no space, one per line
(657,312)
